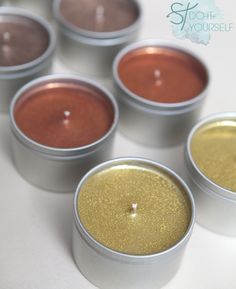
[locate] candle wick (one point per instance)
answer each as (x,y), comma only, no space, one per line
(66,116)
(133,210)
(157,77)
(157,73)
(5,47)
(6,37)
(100,14)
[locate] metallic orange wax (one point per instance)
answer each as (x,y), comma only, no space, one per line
(162,74)
(64,114)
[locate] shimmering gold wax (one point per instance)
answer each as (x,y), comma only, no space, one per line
(105,209)
(213,149)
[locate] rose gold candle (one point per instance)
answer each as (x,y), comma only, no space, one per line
(27,44)
(92,32)
(99,15)
(22,40)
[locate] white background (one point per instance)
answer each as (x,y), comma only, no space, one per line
(35,226)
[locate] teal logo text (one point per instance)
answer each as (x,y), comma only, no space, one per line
(197,21)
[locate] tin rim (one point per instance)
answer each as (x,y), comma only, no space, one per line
(99,35)
(102,249)
(13,11)
(66,152)
(99,42)
(154,105)
(195,173)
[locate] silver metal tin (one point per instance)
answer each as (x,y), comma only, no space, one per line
(152,123)
(91,53)
(13,77)
(216,206)
(57,169)
(108,269)
(39,7)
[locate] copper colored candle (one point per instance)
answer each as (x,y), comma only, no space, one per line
(22,40)
(99,15)
(161,88)
(62,126)
(63,114)
(162,74)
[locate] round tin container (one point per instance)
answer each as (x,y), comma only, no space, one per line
(106,268)
(13,77)
(58,169)
(42,7)
(150,122)
(216,206)
(91,53)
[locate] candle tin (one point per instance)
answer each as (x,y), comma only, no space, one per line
(56,169)
(106,268)
(42,7)
(13,77)
(153,123)
(216,206)
(91,53)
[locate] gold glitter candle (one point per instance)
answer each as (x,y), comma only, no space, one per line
(213,149)
(211,164)
(135,210)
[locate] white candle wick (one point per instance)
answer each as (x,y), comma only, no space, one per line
(157,77)
(134,208)
(100,14)
(157,74)
(66,116)
(6,37)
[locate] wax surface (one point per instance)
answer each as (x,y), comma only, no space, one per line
(115,15)
(22,40)
(213,149)
(39,114)
(162,74)
(163,210)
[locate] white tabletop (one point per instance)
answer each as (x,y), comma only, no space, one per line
(35,226)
